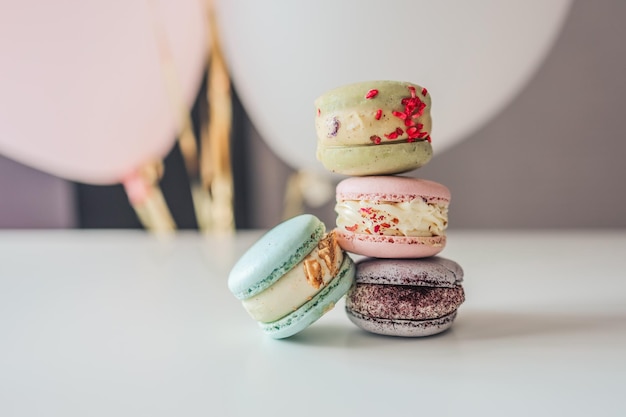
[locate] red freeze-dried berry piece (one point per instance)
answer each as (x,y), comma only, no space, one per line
(424,91)
(421,108)
(399,115)
(399,131)
(379,114)
(352,228)
(371,94)
(375,138)
(392,135)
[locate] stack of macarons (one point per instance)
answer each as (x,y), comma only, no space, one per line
(296,272)
(373,131)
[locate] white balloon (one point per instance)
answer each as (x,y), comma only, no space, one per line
(472,56)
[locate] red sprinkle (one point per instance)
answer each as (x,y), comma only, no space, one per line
(371,94)
(387,225)
(413,109)
(415,132)
(375,138)
(379,113)
(376,228)
(399,114)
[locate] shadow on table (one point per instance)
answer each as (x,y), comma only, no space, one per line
(350,336)
(488,324)
(470,326)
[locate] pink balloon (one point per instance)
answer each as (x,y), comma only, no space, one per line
(82,89)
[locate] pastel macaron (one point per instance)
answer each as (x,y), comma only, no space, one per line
(291,276)
(392,216)
(374,128)
(405,297)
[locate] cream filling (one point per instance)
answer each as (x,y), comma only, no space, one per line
(415,218)
(299,284)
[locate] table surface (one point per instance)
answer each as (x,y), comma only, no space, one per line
(123,323)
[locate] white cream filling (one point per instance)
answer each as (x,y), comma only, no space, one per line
(297,286)
(415,218)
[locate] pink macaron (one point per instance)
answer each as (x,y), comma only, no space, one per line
(392,216)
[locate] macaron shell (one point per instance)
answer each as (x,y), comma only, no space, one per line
(390,246)
(384,159)
(319,305)
(275,253)
(402,328)
(390,188)
(430,272)
(352,114)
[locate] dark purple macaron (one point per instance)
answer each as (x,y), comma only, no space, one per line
(405,297)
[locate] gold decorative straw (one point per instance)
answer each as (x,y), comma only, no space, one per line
(215,166)
(306,187)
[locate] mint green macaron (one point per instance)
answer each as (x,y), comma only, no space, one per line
(291,276)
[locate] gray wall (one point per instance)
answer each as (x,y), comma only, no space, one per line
(555,157)
(32,199)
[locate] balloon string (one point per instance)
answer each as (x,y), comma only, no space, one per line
(215,165)
(147,199)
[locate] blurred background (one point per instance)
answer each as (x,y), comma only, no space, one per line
(553,157)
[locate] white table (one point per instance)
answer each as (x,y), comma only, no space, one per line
(124,324)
